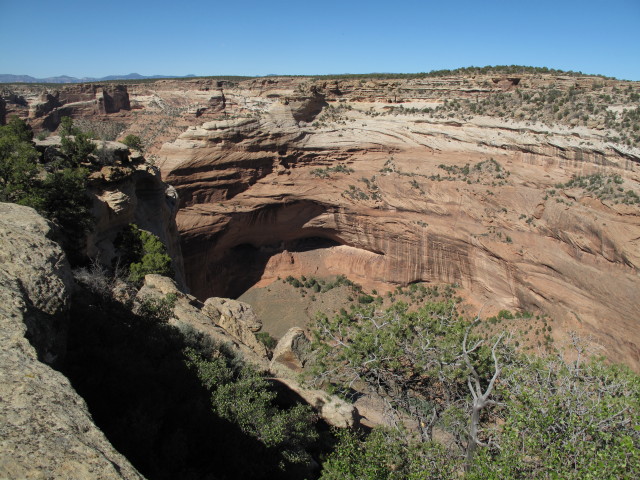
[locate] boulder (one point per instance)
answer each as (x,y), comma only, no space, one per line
(333,410)
(238,319)
(292,350)
(223,327)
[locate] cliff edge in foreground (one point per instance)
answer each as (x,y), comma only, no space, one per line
(46,430)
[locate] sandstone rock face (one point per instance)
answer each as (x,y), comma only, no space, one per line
(389,201)
(46,430)
(254,164)
(29,257)
(45,108)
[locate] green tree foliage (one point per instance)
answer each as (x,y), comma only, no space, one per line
(241,395)
(267,340)
(548,418)
(75,144)
(62,198)
(19,167)
(411,360)
(386,455)
(142,253)
(59,195)
(134,142)
(565,420)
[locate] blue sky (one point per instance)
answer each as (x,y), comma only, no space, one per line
(246,37)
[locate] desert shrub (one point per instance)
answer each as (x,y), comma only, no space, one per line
(142,253)
(134,142)
(267,340)
(75,144)
(386,455)
(241,395)
(365,299)
(158,309)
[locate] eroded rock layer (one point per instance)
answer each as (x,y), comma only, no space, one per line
(291,176)
(391,199)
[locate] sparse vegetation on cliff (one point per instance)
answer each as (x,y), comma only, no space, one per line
(614,110)
(608,188)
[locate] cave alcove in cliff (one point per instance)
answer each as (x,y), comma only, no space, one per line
(244,265)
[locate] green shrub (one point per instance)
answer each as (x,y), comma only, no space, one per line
(267,340)
(242,396)
(75,145)
(365,299)
(142,253)
(158,309)
(63,199)
(59,195)
(133,142)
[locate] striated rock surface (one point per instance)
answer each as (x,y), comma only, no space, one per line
(46,430)
(391,199)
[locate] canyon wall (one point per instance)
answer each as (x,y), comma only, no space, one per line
(279,176)
(394,198)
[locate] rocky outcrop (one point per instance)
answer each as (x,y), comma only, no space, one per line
(332,409)
(238,319)
(288,360)
(232,323)
(46,430)
(206,318)
(39,269)
(133,193)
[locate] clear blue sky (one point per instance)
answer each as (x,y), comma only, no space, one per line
(246,37)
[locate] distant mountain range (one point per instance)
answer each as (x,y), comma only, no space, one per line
(8,78)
